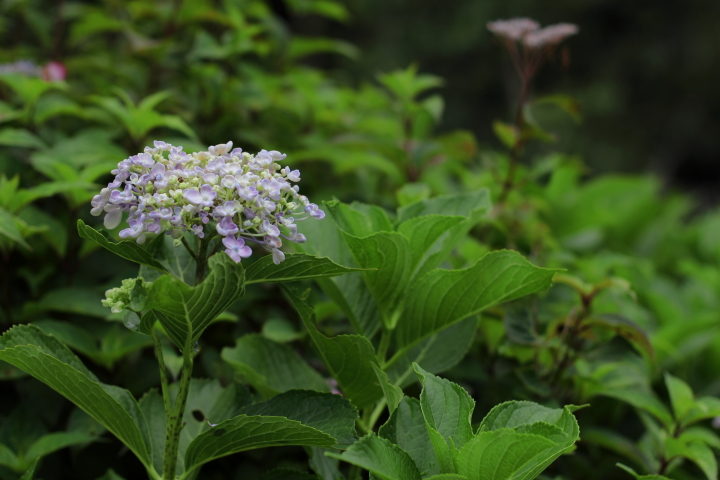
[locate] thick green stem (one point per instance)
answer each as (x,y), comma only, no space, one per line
(163,374)
(175,423)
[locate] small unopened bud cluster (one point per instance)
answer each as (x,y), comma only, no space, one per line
(128,296)
(240,196)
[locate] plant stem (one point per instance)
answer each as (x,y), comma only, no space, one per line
(384,344)
(175,423)
(189,248)
(517,147)
(379,408)
(201,260)
(163,374)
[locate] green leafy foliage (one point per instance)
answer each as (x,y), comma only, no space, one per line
(49,361)
(515,440)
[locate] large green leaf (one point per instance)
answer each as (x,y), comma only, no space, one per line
(442,298)
(326,412)
(502,454)
(377,455)
(186,311)
(530,435)
(516,413)
(388,260)
(271,367)
(48,360)
(243,433)
(447,408)
(349,358)
(406,428)
(125,249)
(298,266)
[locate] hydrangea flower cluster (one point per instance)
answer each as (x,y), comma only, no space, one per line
(225,191)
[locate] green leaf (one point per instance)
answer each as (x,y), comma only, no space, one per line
(281,331)
(393,394)
(8,457)
(114,343)
(625,328)
(302,47)
(383,459)
(111,475)
(447,476)
(431,238)
(128,250)
(516,413)
(30,472)
(271,367)
(442,298)
(471,205)
(641,477)
(29,89)
(176,261)
(447,408)
(325,467)
(411,193)
(699,434)
(298,266)
(326,412)
(9,229)
(388,261)
(243,433)
(359,219)
(185,311)
(406,428)
(53,442)
(503,454)
(705,407)
(681,396)
(18,137)
(348,358)
(48,360)
(697,452)
(508,134)
(25,196)
(436,354)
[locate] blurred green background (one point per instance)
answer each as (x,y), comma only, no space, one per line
(644,72)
